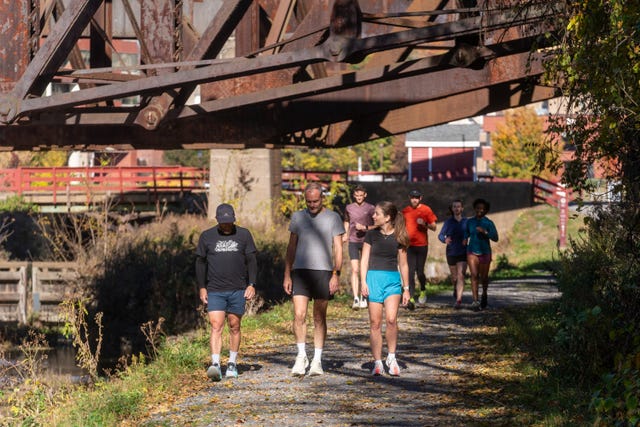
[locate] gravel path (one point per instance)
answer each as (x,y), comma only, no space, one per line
(433,352)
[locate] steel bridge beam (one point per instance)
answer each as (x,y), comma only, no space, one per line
(465,93)
(328,109)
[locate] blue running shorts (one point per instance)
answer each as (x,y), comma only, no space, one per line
(227,301)
(382,284)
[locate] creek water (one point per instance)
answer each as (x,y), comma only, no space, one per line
(60,361)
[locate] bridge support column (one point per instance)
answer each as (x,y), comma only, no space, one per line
(248,179)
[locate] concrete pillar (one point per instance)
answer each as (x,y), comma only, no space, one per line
(248,179)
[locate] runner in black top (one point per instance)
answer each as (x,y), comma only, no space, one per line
(226,270)
(385,280)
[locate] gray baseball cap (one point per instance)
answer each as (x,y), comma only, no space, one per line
(225,214)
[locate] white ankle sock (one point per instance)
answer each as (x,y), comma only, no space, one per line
(301,348)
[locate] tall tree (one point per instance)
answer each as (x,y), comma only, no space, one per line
(516,143)
(597,66)
(193,158)
(382,155)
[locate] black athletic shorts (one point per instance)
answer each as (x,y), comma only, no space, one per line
(311,283)
(453,260)
(355,250)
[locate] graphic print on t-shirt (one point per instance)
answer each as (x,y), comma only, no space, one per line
(226,246)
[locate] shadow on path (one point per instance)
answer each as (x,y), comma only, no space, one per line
(433,352)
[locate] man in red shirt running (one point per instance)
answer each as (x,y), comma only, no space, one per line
(419,219)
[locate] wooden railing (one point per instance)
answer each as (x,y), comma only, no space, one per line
(556,195)
(13,292)
(67,189)
(549,192)
(62,181)
(51,283)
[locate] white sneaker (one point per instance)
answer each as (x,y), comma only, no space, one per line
(422,299)
(363,302)
(301,365)
(232,370)
(392,365)
(214,373)
(356,303)
(378,369)
(316,368)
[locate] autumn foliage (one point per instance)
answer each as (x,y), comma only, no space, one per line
(516,143)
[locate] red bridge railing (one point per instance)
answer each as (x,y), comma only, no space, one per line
(101,180)
(556,195)
(549,192)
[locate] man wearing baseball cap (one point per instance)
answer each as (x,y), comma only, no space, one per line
(226,270)
(419,219)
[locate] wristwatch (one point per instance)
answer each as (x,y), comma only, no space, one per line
(336,272)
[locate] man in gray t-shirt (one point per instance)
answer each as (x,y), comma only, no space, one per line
(312,270)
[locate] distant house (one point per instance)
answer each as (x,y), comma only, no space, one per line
(142,158)
(446,152)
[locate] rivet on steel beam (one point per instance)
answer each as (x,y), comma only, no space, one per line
(149,117)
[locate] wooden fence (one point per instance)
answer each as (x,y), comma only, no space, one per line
(51,283)
(13,292)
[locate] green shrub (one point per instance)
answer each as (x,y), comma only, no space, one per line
(186,354)
(617,402)
(598,338)
(17,204)
(105,406)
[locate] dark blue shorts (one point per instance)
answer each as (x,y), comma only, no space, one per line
(311,283)
(227,301)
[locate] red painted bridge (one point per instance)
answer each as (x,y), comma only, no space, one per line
(81,188)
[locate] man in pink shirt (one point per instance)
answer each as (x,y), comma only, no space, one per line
(358,219)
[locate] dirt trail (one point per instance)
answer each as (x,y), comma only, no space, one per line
(434,352)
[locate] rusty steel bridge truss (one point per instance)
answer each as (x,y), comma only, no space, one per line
(269,73)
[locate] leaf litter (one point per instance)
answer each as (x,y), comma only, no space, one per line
(445,379)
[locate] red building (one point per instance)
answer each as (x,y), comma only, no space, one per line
(446,152)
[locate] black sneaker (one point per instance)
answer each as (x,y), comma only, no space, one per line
(483,301)
(411,305)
